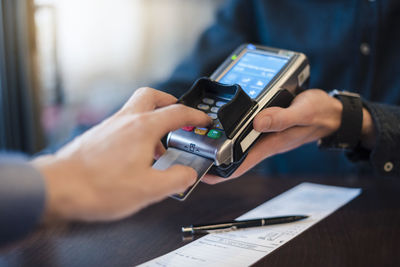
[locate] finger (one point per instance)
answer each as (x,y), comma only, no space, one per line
(213,179)
(176,116)
(147,99)
(276,119)
(175,179)
(159,151)
(275,143)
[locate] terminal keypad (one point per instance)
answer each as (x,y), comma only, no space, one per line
(210,106)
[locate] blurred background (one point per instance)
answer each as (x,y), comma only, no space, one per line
(80,60)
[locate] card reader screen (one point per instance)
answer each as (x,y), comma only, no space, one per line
(254,71)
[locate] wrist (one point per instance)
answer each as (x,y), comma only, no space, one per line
(368,135)
(59,180)
(348,134)
(335,116)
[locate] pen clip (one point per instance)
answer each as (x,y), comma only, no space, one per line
(224,230)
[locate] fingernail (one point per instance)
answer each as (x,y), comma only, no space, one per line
(265,123)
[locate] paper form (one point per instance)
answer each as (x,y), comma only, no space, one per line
(246,246)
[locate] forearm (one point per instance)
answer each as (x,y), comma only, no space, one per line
(381,136)
(368,136)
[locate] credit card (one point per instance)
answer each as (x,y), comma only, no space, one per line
(178,157)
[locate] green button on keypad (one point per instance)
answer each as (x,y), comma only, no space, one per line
(214,134)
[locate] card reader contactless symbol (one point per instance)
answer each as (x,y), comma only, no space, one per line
(192,147)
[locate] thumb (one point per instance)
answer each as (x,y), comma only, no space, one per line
(176,179)
(276,119)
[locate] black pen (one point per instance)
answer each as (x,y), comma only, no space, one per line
(226,226)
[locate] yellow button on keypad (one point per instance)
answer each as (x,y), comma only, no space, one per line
(201,131)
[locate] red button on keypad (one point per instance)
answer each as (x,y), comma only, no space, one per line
(188,128)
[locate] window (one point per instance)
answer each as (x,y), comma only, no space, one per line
(19,123)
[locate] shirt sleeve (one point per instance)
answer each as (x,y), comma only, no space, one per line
(233,26)
(385,157)
(22,198)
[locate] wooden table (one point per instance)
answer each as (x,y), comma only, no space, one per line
(365,232)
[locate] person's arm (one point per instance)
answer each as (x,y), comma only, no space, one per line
(22,197)
(104,174)
(313,115)
(234,26)
(382,139)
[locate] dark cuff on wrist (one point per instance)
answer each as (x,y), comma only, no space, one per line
(347,137)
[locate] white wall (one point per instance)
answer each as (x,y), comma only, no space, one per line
(105,49)
(113,46)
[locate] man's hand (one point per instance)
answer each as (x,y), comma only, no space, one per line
(312,115)
(106,173)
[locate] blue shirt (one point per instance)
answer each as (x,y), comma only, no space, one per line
(22,198)
(352,45)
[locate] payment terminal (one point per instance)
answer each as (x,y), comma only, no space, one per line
(252,78)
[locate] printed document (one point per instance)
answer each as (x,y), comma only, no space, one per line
(246,246)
